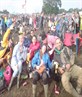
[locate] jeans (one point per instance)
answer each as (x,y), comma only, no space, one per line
(17,69)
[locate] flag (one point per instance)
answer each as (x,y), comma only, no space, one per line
(24,4)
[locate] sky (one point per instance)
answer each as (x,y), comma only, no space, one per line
(71,4)
(32,6)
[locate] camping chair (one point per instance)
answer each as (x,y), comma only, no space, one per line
(78,45)
(68,39)
(74,38)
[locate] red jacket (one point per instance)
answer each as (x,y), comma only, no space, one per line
(33,48)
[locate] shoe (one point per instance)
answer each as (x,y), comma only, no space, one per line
(78,90)
(56,90)
(25,83)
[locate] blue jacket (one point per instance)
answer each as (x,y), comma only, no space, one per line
(27,42)
(46,59)
(9,23)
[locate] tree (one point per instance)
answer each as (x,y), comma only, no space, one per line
(5,12)
(51,6)
(71,10)
(62,10)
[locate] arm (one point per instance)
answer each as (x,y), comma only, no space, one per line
(5,38)
(46,61)
(49,63)
(34,60)
(14,55)
(24,54)
(72,57)
(68,58)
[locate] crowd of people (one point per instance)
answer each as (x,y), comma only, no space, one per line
(44,49)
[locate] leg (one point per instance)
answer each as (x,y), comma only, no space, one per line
(67,85)
(45,82)
(10,84)
(77,73)
(36,77)
(15,71)
(19,73)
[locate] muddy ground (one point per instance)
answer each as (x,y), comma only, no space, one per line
(26,91)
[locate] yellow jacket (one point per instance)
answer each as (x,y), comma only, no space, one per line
(5,38)
(5,42)
(2,52)
(81,23)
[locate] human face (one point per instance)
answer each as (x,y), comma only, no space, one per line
(43,49)
(34,40)
(58,44)
(32,33)
(45,41)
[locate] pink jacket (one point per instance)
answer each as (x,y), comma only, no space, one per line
(51,40)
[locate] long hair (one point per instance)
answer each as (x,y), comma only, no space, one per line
(41,54)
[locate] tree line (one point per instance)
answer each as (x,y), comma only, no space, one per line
(54,7)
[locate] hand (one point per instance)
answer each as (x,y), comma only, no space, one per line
(37,67)
(50,52)
(61,70)
(68,66)
(1,60)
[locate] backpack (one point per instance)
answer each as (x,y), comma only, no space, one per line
(8,74)
(2,81)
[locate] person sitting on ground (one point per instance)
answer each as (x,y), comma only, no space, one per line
(41,65)
(6,47)
(18,57)
(34,47)
(31,35)
(49,41)
(68,70)
(27,41)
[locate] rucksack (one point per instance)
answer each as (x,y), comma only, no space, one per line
(7,74)
(2,81)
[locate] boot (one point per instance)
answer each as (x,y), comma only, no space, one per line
(10,84)
(34,90)
(46,90)
(18,81)
(78,89)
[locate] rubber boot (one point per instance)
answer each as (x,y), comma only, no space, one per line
(78,89)
(10,84)
(18,81)
(34,90)
(46,90)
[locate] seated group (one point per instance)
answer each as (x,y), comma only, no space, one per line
(46,56)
